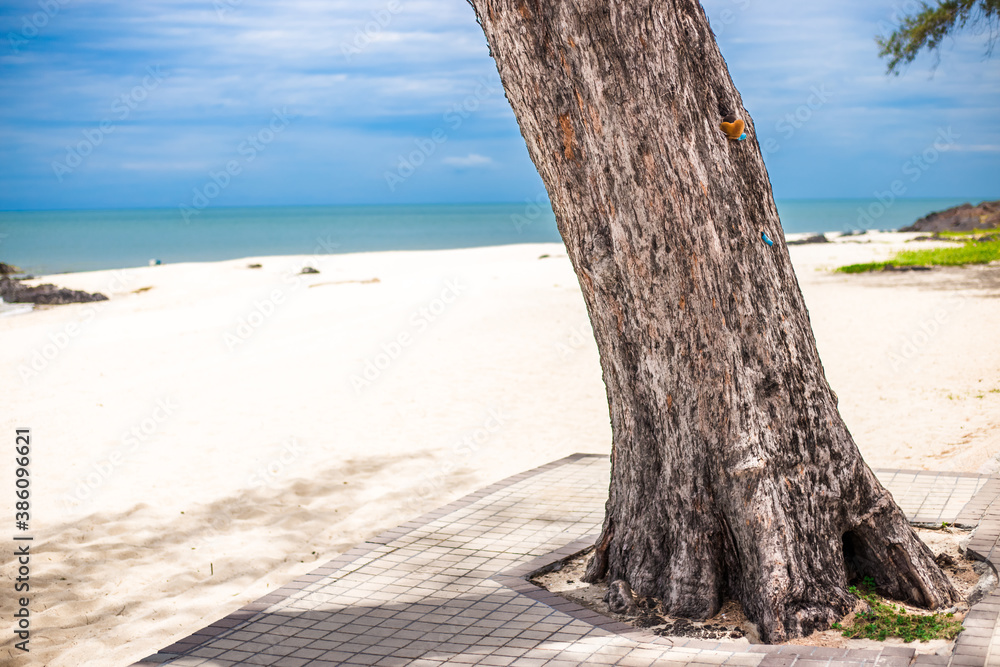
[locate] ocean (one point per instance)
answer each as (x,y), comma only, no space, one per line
(46,242)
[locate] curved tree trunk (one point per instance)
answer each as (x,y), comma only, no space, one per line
(732,471)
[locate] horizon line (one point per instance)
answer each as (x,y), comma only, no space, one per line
(972,200)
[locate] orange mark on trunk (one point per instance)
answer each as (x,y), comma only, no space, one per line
(704,189)
(682,303)
(595,120)
(670,401)
(522,8)
(568,135)
(572,44)
(734,129)
(565,65)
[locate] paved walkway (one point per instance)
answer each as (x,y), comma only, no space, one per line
(449,588)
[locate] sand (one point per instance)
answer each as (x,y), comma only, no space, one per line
(201,442)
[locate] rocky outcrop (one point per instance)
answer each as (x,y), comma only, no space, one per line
(14,291)
(959,219)
(817,238)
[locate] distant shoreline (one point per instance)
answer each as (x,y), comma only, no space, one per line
(832,236)
(258,207)
(310,259)
(60,242)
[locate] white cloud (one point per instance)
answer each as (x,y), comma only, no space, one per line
(365,79)
(470,160)
(160,165)
(976,148)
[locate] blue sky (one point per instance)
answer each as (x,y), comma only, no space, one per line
(134,104)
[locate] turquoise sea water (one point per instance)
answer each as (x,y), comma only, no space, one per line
(42,242)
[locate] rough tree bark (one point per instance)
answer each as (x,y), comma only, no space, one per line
(732,471)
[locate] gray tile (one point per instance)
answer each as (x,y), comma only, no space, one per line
(447,588)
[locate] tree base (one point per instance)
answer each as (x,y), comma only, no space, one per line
(788,587)
(617,602)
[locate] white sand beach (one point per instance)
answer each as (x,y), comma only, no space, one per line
(214,431)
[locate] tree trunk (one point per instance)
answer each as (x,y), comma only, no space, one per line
(732,471)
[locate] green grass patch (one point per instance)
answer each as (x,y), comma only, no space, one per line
(969,253)
(884,620)
(967,235)
(863,268)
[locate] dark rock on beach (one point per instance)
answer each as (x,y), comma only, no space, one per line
(8,270)
(817,238)
(962,218)
(14,291)
(308,269)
